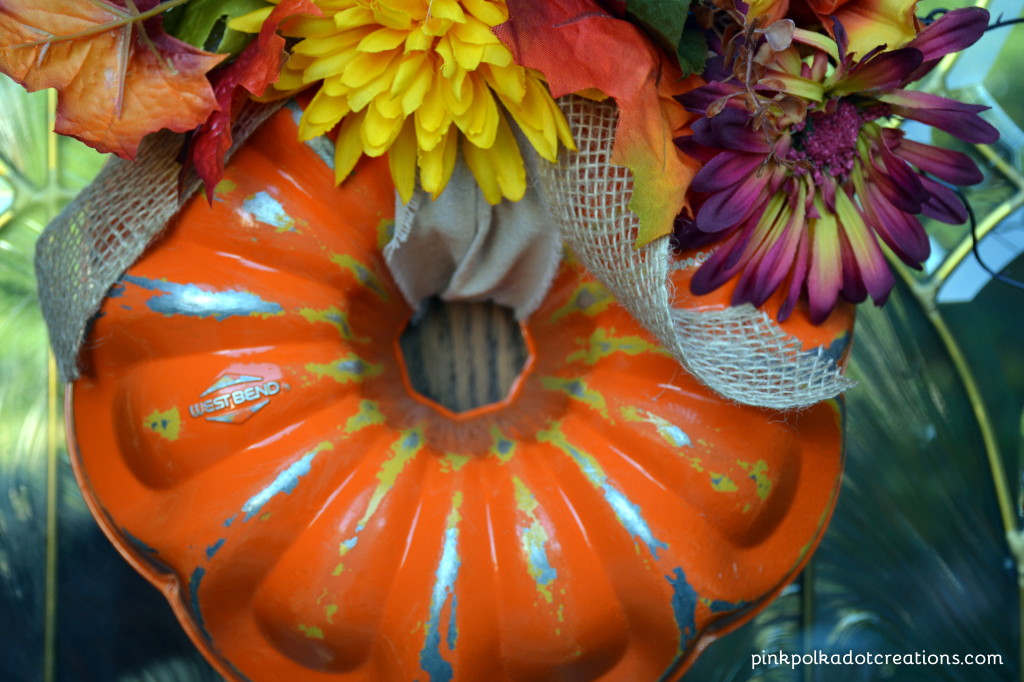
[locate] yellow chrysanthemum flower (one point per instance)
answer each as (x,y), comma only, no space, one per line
(399,74)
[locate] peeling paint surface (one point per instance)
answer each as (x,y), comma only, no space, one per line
(672,434)
(190,300)
(166,424)
(347,369)
(212,550)
(364,275)
(369,414)
(268,210)
(403,451)
(534,539)
(590,298)
(431,660)
(684,610)
(758,473)
(628,513)
(578,390)
(332,316)
(285,482)
(603,343)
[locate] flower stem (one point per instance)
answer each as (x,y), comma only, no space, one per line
(103,28)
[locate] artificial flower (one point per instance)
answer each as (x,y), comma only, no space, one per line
(867,23)
(117,74)
(802,178)
(413,78)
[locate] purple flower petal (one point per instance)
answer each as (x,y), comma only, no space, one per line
(853,289)
(901,232)
(944,205)
(725,170)
(825,278)
(897,181)
(950,33)
(885,71)
(724,209)
(722,265)
(797,277)
(696,150)
(946,164)
(730,130)
(956,118)
(873,275)
(775,257)
(699,99)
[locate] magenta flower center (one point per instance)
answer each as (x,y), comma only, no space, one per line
(827,143)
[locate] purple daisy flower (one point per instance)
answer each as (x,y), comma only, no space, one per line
(802,177)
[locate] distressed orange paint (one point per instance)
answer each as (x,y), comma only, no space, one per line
(438,536)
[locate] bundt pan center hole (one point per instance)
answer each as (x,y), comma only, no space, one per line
(463,356)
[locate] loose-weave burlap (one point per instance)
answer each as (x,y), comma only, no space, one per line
(107,227)
(739,352)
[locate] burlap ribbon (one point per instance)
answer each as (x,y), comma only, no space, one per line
(461,249)
(739,352)
(106,228)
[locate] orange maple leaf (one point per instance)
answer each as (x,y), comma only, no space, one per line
(118,76)
(586,44)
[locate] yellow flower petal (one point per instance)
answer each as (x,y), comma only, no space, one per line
(484,171)
(457,100)
(402,161)
(360,97)
(323,113)
(509,81)
(418,40)
(304,26)
(436,165)
(251,22)
(390,107)
(480,122)
(378,130)
(349,148)
(474,31)
(432,114)
(382,39)
(497,54)
(353,17)
(447,9)
(334,66)
(366,66)
(467,55)
(509,162)
(445,51)
(490,12)
(330,44)
(392,17)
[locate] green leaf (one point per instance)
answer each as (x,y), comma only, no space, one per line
(663,19)
(204,24)
(692,50)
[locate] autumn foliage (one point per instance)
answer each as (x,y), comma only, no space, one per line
(118,75)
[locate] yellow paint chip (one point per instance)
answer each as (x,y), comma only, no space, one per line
(166,424)
(311,631)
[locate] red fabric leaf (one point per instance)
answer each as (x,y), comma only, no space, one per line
(117,79)
(253,70)
(583,44)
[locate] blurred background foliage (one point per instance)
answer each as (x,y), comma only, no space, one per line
(916,558)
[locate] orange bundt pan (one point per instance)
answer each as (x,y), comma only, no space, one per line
(246,435)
